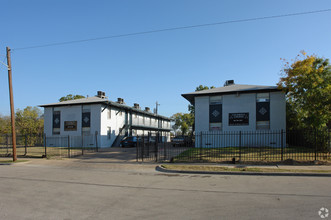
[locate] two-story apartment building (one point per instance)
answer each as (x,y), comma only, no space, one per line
(240,108)
(106,121)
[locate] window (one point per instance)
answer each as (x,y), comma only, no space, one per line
(56,122)
(262,111)
(86,121)
(215,113)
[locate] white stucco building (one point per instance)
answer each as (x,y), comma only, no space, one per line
(97,120)
(236,107)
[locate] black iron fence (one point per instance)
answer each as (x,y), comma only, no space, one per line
(42,146)
(255,146)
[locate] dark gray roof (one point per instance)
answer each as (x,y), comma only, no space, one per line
(88,100)
(231,89)
(97,100)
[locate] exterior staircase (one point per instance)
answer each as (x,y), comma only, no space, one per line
(120,136)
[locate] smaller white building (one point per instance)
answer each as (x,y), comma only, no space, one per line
(239,108)
(99,121)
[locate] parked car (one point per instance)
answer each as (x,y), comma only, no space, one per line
(130,141)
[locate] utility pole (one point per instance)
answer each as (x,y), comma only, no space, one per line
(157,104)
(11,104)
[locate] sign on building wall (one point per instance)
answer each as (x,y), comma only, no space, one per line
(236,119)
(70,125)
(215,113)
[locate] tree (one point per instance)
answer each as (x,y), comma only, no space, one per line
(30,123)
(183,122)
(307,83)
(5,125)
(71,97)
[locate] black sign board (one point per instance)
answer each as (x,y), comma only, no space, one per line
(70,125)
(215,113)
(56,119)
(262,111)
(86,119)
(236,119)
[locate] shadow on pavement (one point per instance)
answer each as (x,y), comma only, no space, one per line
(114,154)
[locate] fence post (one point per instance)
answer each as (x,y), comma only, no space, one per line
(157,146)
(282,144)
(45,145)
(315,144)
(138,143)
(7,143)
(96,140)
(82,144)
(68,146)
(25,145)
(239,146)
(165,149)
(200,146)
(142,150)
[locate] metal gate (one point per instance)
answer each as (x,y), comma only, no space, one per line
(154,148)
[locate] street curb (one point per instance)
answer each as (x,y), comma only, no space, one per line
(5,164)
(161,169)
(13,163)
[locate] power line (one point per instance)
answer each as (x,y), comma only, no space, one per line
(3,62)
(173,29)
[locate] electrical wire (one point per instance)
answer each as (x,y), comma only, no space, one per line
(173,29)
(3,62)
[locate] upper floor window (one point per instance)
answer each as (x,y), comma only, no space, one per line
(215,113)
(56,122)
(262,111)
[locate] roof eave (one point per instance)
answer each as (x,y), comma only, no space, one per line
(190,96)
(106,102)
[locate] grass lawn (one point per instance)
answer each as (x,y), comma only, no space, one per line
(237,169)
(248,154)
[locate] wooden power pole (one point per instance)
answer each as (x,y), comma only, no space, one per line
(11,105)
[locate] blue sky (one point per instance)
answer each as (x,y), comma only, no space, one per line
(151,67)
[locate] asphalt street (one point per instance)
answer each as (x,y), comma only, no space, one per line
(90,190)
